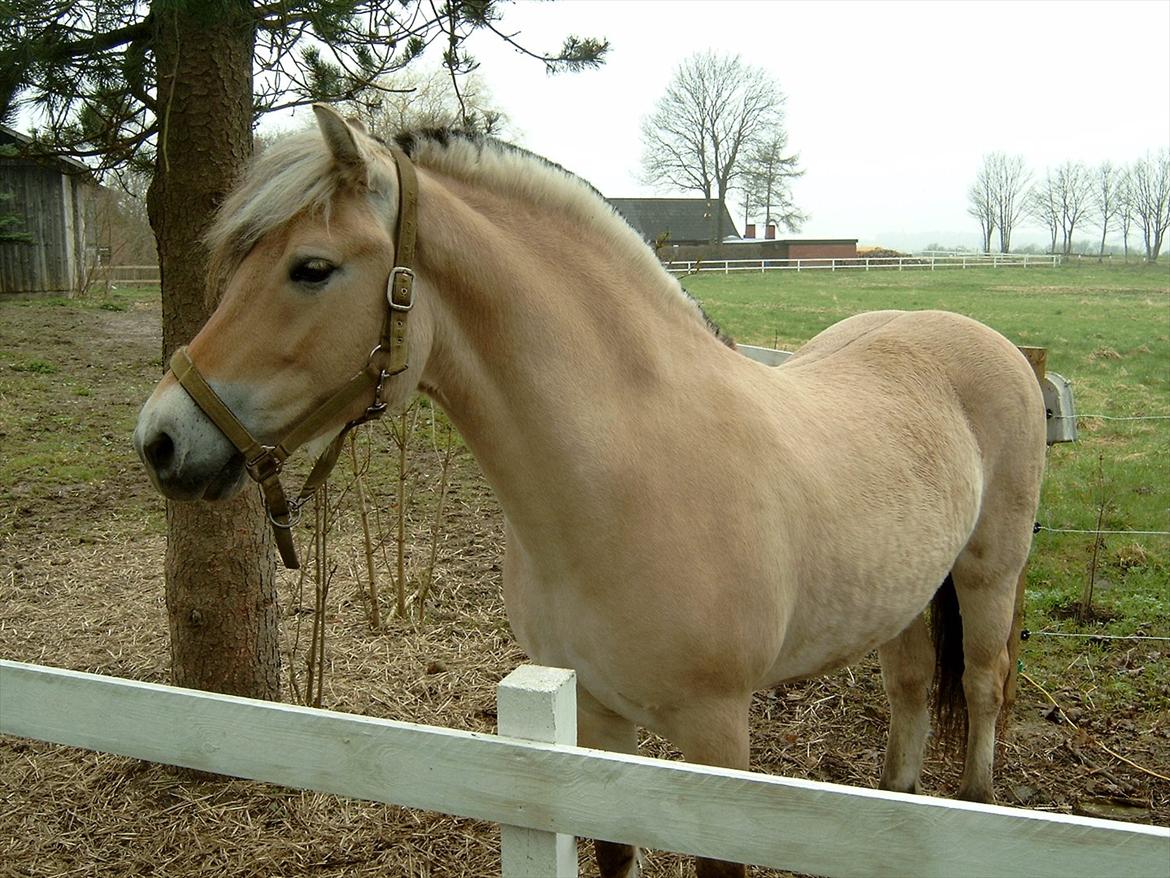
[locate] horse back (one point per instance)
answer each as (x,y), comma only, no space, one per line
(949,354)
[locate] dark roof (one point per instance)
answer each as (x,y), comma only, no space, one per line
(66,164)
(688,220)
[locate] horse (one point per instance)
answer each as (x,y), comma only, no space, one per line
(684,526)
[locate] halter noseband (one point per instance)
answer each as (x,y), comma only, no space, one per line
(264,462)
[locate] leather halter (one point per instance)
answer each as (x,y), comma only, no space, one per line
(265,462)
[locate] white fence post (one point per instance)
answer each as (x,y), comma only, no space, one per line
(537,704)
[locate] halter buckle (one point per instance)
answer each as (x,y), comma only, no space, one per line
(264,465)
(407,287)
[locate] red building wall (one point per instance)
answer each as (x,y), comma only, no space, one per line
(822,249)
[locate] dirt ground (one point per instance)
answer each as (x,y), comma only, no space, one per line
(81,554)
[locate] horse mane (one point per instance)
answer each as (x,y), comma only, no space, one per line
(297,175)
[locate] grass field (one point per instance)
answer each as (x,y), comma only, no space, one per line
(1107,330)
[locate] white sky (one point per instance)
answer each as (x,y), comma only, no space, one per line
(891,105)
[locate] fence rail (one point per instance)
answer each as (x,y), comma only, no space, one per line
(868,263)
(148,275)
(805,826)
(129,275)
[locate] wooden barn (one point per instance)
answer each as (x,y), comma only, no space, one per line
(52,201)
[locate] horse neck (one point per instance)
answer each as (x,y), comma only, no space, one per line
(549,348)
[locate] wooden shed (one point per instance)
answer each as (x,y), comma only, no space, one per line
(53,201)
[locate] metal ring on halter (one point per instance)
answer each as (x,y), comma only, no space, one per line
(294,516)
(384,373)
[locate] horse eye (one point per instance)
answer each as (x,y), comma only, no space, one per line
(312,271)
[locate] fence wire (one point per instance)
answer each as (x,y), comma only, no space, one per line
(1112,417)
(1036,528)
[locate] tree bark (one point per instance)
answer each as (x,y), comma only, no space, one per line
(220,565)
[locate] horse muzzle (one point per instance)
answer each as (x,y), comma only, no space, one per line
(186,456)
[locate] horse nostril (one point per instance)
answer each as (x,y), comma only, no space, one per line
(160,452)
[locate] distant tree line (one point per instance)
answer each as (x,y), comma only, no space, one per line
(1123,199)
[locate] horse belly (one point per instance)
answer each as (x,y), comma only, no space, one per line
(656,641)
(879,571)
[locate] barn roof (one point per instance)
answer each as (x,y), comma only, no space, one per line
(23,142)
(688,220)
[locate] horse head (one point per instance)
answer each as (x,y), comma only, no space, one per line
(311,333)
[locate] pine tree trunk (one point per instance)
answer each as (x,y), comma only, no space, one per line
(220,570)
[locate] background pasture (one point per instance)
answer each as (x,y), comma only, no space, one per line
(81,542)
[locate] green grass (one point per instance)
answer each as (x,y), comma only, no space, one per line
(1107,330)
(38,367)
(118,299)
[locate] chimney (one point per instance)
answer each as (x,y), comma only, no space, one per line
(749,230)
(770,232)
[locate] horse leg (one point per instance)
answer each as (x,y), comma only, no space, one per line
(714,735)
(907,665)
(602,729)
(986,590)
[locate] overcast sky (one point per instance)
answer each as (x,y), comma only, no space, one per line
(890,105)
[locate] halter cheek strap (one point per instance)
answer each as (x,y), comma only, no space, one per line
(389,357)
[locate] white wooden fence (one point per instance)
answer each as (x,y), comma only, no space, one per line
(868,263)
(148,275)
(541,789)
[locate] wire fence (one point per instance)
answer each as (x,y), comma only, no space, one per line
(1098,533)
(1028,635)
(1113,417)
(1038,527)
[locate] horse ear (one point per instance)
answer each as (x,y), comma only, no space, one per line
(342,141)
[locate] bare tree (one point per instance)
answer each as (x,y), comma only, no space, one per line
(1150,192)
(1043,204)
(1125,207)
(997,198)
(981,205)
(768,170)
(715,108)
(1106,197)
(1009,179)
(1074,189)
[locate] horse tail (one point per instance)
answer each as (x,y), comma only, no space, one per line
(950,704)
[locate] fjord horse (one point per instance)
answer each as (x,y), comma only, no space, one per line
(684,526)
